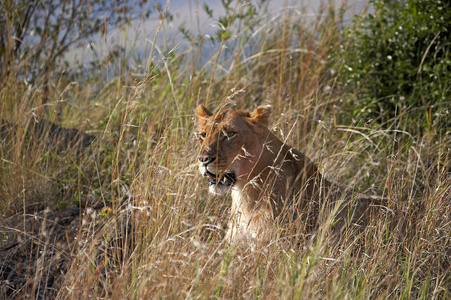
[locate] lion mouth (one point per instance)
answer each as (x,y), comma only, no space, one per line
(228,179)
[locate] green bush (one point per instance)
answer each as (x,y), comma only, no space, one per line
(400,62)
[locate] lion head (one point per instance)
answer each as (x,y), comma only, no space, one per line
(231,142)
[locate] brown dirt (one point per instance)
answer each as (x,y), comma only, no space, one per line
(35,251)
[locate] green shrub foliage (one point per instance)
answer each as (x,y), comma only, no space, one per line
(401,63)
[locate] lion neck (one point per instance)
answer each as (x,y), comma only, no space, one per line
(276,177)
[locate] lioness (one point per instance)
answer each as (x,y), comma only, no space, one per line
(272,184)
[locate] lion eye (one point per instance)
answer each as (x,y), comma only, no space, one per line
(201,135)
(230,135)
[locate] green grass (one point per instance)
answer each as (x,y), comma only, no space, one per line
(145,144)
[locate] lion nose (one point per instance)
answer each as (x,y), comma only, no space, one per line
(206,159)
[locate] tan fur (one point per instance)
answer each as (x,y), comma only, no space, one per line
(275,183)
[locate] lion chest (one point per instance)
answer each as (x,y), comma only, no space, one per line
(248,220)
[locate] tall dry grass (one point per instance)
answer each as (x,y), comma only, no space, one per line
(165,240)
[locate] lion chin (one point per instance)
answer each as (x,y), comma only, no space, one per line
(219,189)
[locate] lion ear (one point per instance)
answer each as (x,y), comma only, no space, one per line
(202,115)
(260,115)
